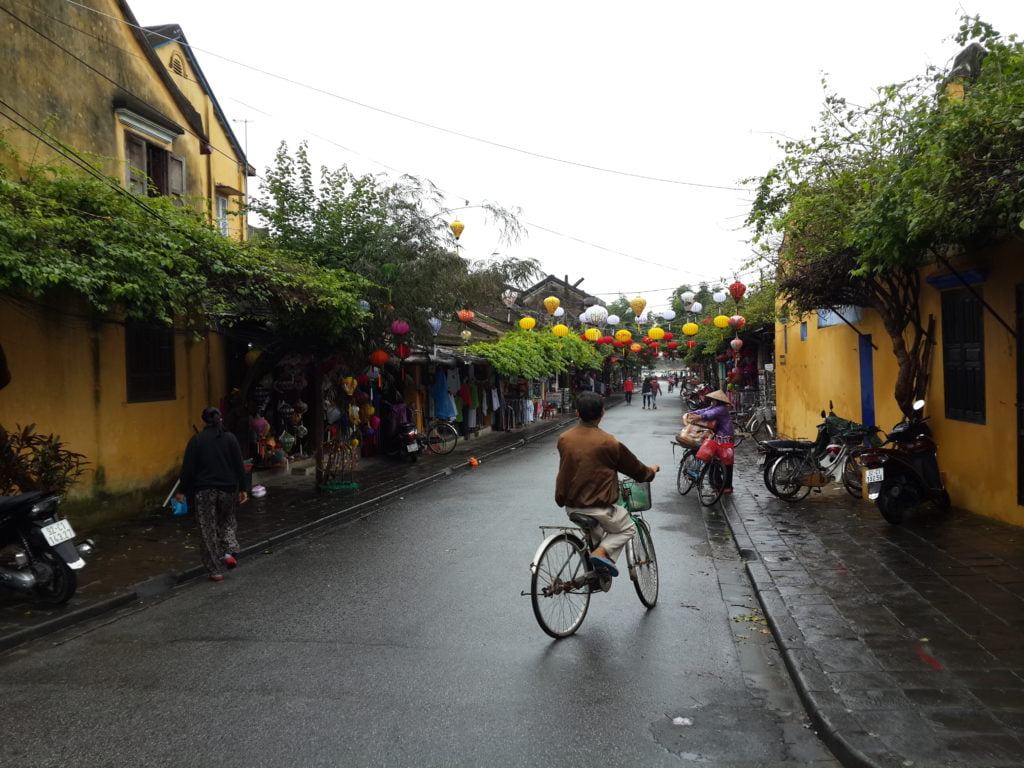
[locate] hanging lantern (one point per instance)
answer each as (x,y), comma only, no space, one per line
(656,333)
(527,323)
(654,345)
(559,311)
(669,336)
(718,297)
(721,321)
(736,290)
(637,305)
(668,315)
(690,329)
(592,334)
(736,344)
(551,303)
(597,314)
(457,227)
(252,355)
(646,340)
(635,347)
(672,344)
(364,305)
(687,297)
(691,343)
(435,325)
(465,315)
(466,335)
(379,357)
(618,344)
(613,320)
(706,320)
(560,330)
(583,337)
(697,307)
(623,335)
(737,321)
(613,359)
(403,351)
(399,327)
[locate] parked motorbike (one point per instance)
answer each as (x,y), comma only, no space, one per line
(400,438)
(38,556)
(693,395)
(902,477)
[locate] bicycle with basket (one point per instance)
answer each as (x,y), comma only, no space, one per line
(704,460)
(562,578)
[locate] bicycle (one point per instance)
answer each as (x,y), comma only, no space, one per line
(708,476)
(441,437)
(562,578)
(806,470)
(689,470)
(759,425)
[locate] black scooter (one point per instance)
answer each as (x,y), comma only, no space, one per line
(900,478)
(401,439)
(38,556)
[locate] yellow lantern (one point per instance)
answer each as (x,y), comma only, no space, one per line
(722,321)
(527,323)
(592,334)
(690,329)
(457,227)
(656,333)
(623,336)
(466,335)
(551,303)
(560,330)
(637,305)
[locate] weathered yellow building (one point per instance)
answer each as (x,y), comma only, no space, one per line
(976,379)
(135,102)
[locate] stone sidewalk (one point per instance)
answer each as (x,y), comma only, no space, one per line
(157,551)
(904,642)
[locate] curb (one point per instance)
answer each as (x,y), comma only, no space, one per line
(167,581)
(827,712)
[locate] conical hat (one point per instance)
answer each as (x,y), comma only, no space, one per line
(720,396)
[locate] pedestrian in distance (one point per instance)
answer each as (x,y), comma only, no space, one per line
(627,389)
(590,461)
(655,391)
(717,412)
(213,476)
(645,391)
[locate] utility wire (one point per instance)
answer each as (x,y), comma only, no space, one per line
(422,123)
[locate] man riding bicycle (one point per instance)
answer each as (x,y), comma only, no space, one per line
(588,479)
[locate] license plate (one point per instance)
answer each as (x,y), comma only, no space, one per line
(874,475)
(760,459)
(412,447)
(57,532)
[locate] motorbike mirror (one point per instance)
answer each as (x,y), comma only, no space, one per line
(823,414)
(918,405)
(830,406)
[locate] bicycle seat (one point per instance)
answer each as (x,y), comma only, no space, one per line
(586,522)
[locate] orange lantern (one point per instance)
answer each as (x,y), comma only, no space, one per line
(635,347)
(379,357)
(465,315)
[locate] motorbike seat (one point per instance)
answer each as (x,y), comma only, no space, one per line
(787,445)
(12,503)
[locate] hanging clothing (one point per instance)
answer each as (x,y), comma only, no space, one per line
(444,408)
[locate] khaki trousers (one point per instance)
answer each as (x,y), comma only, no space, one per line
(617,524)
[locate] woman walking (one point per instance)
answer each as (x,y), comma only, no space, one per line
(213,474)
(645,391)
(655,391)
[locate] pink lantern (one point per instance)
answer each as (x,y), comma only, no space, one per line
(736,344)
(399,327)
(737,321)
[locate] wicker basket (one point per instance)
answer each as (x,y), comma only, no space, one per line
(634,496)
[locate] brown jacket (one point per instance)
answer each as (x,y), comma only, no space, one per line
(590,462)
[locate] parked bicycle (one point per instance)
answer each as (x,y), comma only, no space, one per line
(760,425)
(562,578)
(441,437)
(796,473)
(707,476)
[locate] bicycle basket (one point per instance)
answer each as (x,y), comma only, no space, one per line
(634,496)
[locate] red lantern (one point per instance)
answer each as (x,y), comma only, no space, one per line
(653,345)
(362,378)
(672,344)
(379,357)
(613,359)
(646,339)
(691,343)
(403,351)
(669,336)
(465,315)
(707,320)
(618,344)
(736,290)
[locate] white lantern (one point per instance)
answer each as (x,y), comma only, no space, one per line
(435,325)
(668,315)
(598,314)
(559,311)
(613,319)
(696,307)
(718,297)
(686,297)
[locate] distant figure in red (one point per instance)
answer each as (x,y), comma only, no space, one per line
(627,389)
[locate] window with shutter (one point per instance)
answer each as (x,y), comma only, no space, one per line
(963,356)
(175,175)
(149,363)
(138,169)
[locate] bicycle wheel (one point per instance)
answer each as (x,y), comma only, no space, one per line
(711,482)
(762,430)
(689,471)
(786,477)
(559,590)
(442,437)
(643,564)
(851,476)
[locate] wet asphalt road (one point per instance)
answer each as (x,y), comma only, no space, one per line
(402,640)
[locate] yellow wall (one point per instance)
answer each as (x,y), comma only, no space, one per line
(979,460)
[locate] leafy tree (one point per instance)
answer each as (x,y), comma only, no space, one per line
(932,169)
(537,354)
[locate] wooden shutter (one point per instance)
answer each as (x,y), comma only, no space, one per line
(175,175)
(135,157)
(963,356)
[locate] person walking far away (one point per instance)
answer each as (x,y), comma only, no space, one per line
(627,389)
(645,391)
(655,391)
(717,412)
(213,475)
(590,461)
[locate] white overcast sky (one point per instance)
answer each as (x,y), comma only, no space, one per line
(692,92)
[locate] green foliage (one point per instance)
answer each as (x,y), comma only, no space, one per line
(34,462)
(757,307)
(384,231)
(62,231)
(537,354)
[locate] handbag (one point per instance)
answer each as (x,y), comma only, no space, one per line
(694,435)
(708,449)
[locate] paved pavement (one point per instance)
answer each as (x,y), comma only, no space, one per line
(903,641)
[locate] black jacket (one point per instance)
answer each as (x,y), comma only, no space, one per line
(212,460)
